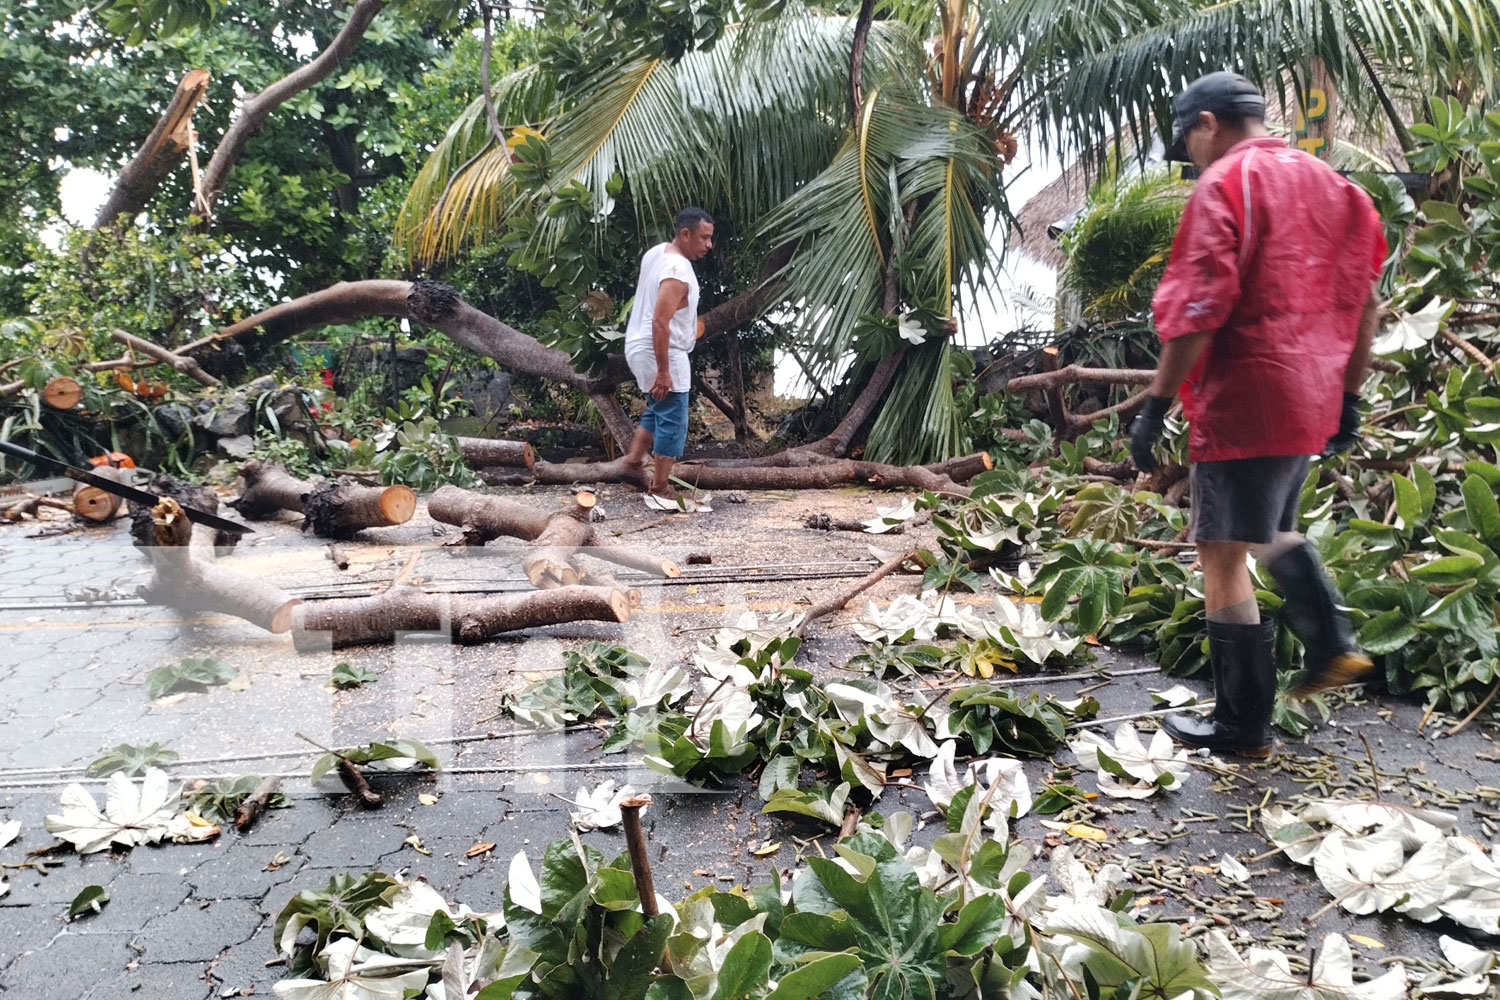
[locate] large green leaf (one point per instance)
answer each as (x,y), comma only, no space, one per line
(1482,510)
(893,920)
(813,977)
(634,967)
(746,968)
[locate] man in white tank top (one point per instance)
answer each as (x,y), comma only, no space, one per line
(661,333)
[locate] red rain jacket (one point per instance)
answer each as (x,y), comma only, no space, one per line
(1276,255)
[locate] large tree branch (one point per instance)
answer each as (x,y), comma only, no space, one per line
(187,366)
(171,137)
(258,107)
(736,312)
(431,304)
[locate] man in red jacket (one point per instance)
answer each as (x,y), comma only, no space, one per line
(1266,314)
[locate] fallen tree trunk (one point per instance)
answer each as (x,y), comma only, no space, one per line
(435,305)
(345,507)
(189,584)
(819,475)
(62,393)
(486,453)
(1075,375)
(556,537)
(268,490)
(367,620)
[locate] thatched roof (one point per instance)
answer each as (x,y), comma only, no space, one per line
(1054,206)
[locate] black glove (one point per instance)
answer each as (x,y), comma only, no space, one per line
(1348,435)
(1146,429)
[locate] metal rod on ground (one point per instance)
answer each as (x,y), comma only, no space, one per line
(635,841)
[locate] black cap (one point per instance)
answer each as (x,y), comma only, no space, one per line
(1220,93)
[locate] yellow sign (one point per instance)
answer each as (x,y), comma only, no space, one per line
(1314,131)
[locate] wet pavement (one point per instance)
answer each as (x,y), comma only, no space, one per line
(195,921)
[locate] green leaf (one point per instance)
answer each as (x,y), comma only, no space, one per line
(130,760)
(191,674)
(814,978)
(1426,488)
(746,968)
(1448,570)
(978,926)
(1408,501)
(90,900)
(438,929)
(634,968)
(1482,510)
(347,676)
(1387,632)
(816,803)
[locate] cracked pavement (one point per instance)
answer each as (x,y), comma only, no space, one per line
(196,921)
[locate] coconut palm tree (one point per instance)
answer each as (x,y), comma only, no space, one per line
(869,151)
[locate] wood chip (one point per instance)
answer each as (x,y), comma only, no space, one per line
(478,849)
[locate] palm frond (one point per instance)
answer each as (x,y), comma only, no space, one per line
(903,153)
(919,422)
(1094,69)
(952,175)
(462,191)
(735,129)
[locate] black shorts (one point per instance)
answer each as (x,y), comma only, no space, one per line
(1246,499)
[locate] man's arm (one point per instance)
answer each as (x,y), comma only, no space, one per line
(671,295)
(1178,357)
(1359,361)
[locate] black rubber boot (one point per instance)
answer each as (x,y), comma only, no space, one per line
(1244,668)
(1331,656)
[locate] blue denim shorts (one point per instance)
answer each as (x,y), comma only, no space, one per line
(667,420)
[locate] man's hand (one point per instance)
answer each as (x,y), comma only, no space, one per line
(1348,433)
(1145,431)
(661,385)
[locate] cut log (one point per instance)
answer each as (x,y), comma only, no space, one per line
(251,809)
(556,537)
(268,489)
(368,620)
(343,508)
(93,504)
(488,453)
(62,393)
(190,584)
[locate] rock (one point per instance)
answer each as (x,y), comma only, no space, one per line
(231,418)
(257,388)
(240,446)
(488,392)
(174,418)
(289,407)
